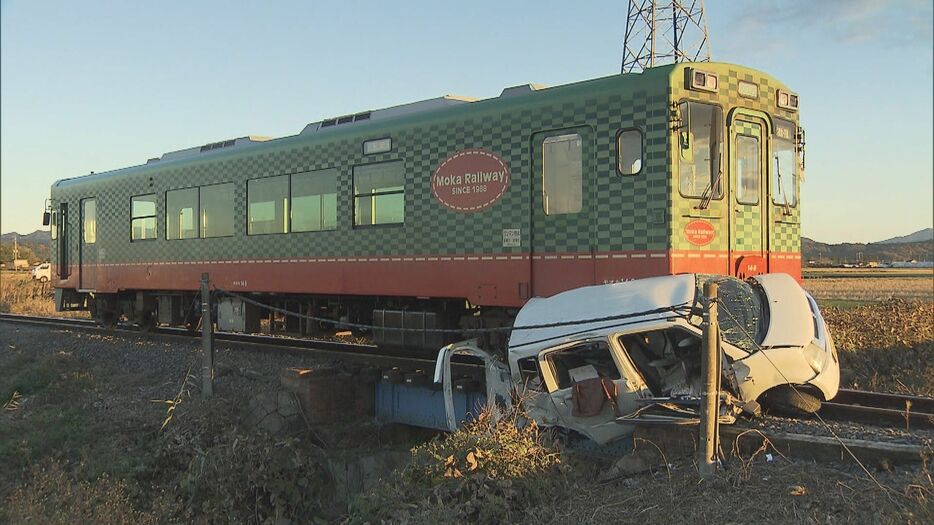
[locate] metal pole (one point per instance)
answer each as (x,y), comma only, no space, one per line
(710,398)
(207,339)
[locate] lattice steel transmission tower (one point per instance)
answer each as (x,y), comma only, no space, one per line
(664,31)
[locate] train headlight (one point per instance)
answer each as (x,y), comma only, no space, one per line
(703,80)
(787,100)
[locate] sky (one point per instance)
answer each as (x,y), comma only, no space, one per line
(94,85)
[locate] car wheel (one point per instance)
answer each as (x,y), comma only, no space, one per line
(788,400)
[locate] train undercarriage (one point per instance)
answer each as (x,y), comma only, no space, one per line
(413,323)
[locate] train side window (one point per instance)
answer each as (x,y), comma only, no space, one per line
(379,193)
(53,226)
(217,210)
(143,217)
(268,205)
(701,145)
(314,201)
(629,152)
(89,221)
(562,174)
(748,169)
(181,214)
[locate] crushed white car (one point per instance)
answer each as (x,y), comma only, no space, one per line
(600,359)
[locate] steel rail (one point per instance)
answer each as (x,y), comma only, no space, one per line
(369,354)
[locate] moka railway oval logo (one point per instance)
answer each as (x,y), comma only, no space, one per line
(470,180)
(699,232)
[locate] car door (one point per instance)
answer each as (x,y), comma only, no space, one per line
(557,365)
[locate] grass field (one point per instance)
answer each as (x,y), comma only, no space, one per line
(856,286)
(20,294)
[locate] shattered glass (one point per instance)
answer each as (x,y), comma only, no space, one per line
(741,314)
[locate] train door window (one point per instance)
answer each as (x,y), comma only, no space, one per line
(563,363)
(143,217)
(89,221)
(268,205)
(562,174)
(748,169)
(701,146)
(629,152)
(785,174)
(379,194)
(53,226)
(63,240)
(314,201)
(181,214)
(217,210)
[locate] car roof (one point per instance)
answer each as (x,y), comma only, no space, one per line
(582,306)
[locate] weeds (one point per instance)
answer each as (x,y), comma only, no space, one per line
(20,294)
(53,495)
(489,471)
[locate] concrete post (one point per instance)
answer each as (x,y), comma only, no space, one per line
(710,398)
(207,338)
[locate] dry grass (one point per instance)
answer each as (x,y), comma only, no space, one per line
(20,294)
(885,347)
(871,288)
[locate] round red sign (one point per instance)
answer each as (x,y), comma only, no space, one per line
(699,232)
(470,180)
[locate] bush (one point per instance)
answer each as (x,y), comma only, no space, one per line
(489,471)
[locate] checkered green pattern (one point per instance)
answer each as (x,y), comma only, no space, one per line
(747,218)
(783,231)
(625,213)
(641,212)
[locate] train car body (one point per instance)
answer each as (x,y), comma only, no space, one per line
(452,207)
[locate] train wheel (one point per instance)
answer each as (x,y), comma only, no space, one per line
(148,321)
(790,401)
(107,319)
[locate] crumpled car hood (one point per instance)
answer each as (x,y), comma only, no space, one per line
(791,322)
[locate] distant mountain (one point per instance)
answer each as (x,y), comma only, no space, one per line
(38,236)
(823,253)
(925,235)
(35,246)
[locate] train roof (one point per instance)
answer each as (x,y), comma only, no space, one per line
(359,121)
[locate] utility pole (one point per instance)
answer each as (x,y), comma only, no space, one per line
(207,338)
(663,32)
(710,397)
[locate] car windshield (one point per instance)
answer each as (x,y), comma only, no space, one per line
(743,316)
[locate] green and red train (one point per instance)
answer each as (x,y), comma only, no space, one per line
(450,212)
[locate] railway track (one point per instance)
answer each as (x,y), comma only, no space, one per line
(352,352)
(881,409)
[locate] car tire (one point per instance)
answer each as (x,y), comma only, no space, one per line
(788,400)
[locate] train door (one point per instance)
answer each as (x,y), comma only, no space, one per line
(62,231)
(749,236)
(87,252)
(562,209)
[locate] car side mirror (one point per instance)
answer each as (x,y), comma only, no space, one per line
(46,218)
